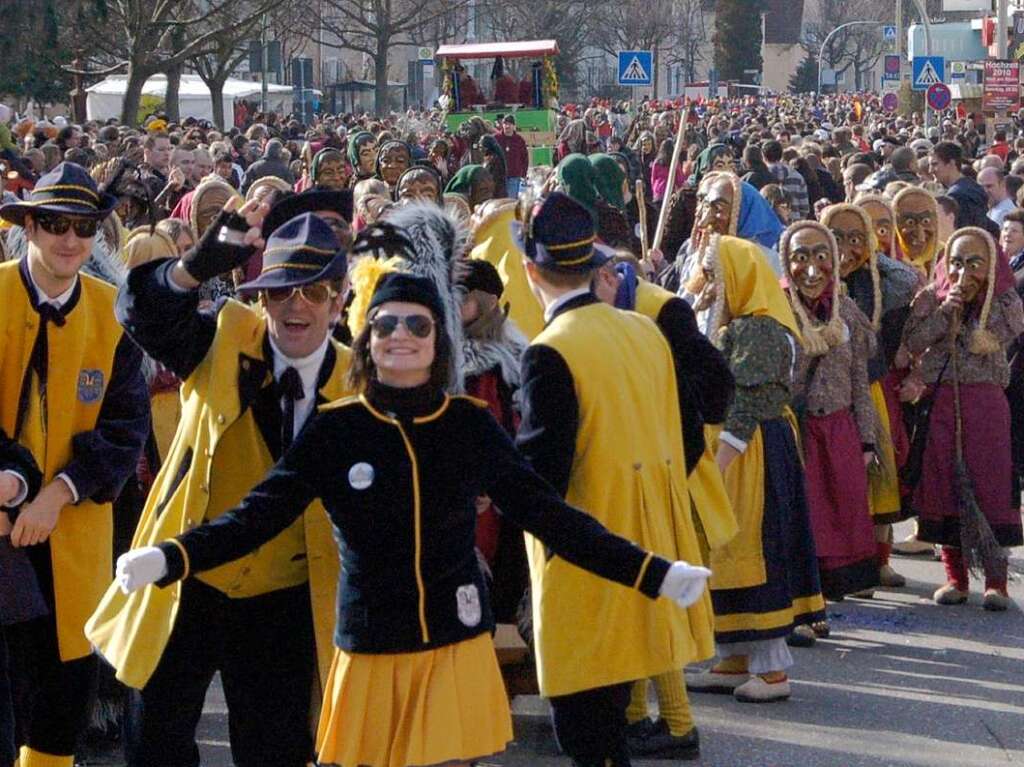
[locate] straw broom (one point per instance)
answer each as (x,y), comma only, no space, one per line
(979,548)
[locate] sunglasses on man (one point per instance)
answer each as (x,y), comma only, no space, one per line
(316,293)
(418,325)
(58,225)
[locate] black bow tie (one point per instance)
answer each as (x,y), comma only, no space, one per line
(50,313)
(290,384)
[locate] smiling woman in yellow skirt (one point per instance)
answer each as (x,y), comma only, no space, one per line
(415,680)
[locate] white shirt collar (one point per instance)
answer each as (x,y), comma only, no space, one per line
(57,301)
(562,300)
(307,367)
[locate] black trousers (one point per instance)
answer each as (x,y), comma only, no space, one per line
(8,753)
(591,726)
(52,699)
(265,652)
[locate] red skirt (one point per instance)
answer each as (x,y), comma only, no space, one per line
(897,428)
(986,434)
(837,494)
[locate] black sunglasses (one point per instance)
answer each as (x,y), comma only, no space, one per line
(418,325)
(59,225)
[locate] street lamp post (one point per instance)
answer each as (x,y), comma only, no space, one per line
(927,22)
(821,53)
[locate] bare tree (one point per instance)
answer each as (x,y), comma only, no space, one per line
(857,48)
(691,36)
(374,27)
(145,37)
(570,22)
(635,25)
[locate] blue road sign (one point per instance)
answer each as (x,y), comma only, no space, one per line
(939,96)
(927,71)
(636,68)
(889,34)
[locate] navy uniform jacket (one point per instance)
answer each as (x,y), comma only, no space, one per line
(17,458)
(399,482)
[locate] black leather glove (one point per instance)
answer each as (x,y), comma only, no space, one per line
(220,250)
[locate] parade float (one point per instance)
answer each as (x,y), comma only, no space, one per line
(523,81)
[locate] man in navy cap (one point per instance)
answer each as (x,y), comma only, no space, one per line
(72,393)
(602,422)
(252,377)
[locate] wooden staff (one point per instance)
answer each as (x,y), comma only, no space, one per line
(641,207)
(663,215)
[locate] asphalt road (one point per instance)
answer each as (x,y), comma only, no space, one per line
(902,682)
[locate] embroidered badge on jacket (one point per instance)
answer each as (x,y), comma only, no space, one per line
(468,600)
(90,386)
(360,476)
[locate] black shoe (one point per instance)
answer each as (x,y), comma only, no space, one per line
(801,636)
(662,744)
(638,732)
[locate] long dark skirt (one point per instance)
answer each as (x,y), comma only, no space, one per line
(986,433)
(837,495)
(791,594)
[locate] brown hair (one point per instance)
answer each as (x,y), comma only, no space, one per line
(565,280)
(152,138)
(362,372)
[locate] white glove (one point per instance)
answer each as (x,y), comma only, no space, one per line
(140,567)
(684,583)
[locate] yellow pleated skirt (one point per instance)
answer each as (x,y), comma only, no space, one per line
(883,481)
(416,709)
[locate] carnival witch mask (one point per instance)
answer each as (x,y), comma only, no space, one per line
(880,213)
(972,261)
(367,157)
(331,171)
(419,184)
(716,201)
(208,201)
(392,161)
(917,226)
(969,264)
(853,232)
(811,259)
(810,262)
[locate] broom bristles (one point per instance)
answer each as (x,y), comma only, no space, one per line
(981,551)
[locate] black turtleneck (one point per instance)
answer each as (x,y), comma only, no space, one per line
(405,403)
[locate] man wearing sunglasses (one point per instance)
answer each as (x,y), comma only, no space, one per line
(72,393)
(252,376)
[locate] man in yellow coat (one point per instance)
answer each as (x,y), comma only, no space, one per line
(72,393)
(706,389)
(602,423)
(252,375)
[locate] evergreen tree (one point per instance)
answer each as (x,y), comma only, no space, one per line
(32,62)
(737,37)
(805,79)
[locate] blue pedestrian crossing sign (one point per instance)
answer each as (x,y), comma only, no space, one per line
(635,68)
(927,71)
(889,34)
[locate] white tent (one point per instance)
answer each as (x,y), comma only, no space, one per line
(105,98)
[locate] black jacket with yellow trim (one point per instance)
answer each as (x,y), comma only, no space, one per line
(399,479)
